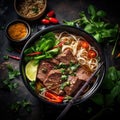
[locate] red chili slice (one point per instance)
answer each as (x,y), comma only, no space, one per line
(92,54)
(34,53)
(53,97)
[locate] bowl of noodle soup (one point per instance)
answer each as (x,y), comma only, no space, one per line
(30,9)
(64,57)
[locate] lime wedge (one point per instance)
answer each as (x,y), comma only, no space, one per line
(31,70)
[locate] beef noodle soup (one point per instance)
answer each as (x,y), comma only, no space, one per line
(64,62)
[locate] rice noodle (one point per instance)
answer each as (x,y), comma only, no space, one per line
(31,8)
(81,54)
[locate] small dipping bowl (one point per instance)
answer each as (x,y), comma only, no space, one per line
(18,32)
(30,10)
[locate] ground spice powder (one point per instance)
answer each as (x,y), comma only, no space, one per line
(17,31)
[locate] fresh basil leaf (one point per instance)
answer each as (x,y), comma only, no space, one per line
(112,74)
(101,13)
(97,36)
(70,23)
(111,78)
(92,11)
(99,24)
(106,33)
(107,84)
(89,28)
(118,74)
(115,91)
(83,19)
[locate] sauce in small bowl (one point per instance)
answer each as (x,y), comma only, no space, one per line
(18,31)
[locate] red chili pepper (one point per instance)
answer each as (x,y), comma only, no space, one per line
(53,20)
(14,57)
(118,55)
(51,13)
(34,53)
(53,97)
(45,21)
(60,44)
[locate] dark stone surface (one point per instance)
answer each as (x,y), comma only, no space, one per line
(65,10)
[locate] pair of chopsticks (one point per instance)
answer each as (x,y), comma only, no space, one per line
(78,94)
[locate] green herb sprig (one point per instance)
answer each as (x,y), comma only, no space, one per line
(23,104)
(109,96)
(12,74)
(95,24)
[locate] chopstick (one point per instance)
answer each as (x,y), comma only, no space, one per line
(78,94)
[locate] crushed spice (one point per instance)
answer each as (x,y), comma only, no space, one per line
(17,31)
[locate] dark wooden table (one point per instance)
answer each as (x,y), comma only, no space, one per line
(65,10)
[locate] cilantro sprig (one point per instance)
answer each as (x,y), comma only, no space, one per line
(23,104)
(12,74)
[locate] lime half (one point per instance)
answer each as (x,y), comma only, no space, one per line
(31,70)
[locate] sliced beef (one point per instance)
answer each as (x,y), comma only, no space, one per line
(53,81)
(54,61)
(66,57)
(51,77)
(75,85)
(43,70)
(83,74)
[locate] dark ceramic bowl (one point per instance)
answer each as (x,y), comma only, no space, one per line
(73,30)
(20,4)
(18,35)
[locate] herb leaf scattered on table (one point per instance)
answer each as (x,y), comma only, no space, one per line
(12,74)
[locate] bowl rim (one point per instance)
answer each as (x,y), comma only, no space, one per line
(18,21)
(31,18)
(97,83)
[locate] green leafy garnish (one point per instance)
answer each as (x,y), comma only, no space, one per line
(6,57)
(35,9)
(95,25)
(64,84)
(12,74)
(110,88)
(44,45)
(23,104)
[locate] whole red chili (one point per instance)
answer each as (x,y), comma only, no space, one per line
(51,13)
(53,20)
(34,53)
(45,21)
(14,57)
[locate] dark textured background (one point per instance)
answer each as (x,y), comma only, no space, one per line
(65,10)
